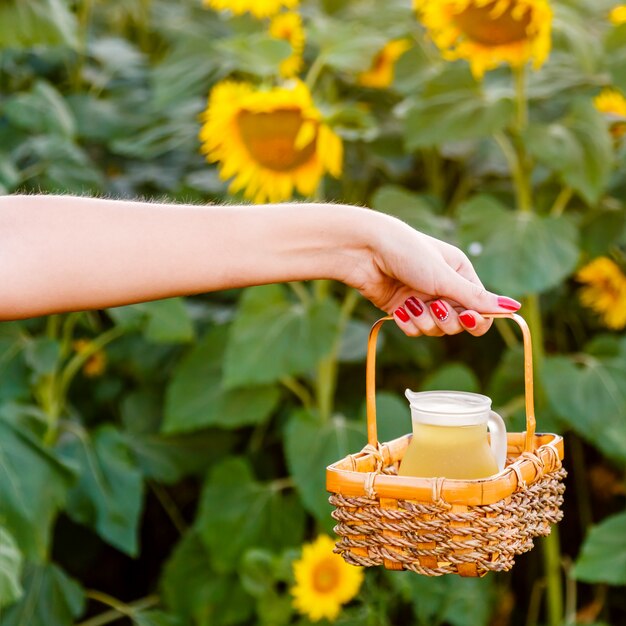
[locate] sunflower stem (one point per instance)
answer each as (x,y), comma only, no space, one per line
(521,168)
(561,201)
(327,369)
(314,72)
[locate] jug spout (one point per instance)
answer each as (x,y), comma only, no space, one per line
(411,396)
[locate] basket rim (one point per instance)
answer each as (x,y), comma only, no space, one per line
(343,478)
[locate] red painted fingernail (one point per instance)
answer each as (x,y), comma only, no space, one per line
(414,306)
(440,310)
(508,303)
(401,314)
(468,320)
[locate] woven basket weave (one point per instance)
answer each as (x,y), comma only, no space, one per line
(436,526)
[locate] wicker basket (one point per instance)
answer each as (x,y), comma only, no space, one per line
(436,526)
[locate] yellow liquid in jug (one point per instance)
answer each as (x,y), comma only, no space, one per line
(460,452)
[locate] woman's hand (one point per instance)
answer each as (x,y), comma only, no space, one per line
(430,287)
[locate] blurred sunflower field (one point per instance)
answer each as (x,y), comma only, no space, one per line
(163,464)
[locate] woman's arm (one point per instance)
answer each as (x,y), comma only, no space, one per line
(63,253)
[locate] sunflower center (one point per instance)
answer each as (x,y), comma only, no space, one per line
(479,25)
(325,575)
(271,137)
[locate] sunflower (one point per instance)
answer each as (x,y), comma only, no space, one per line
(489,32)
(288,26)
(324,581)
(271,141)
(381,72)
(259,8)
(613,104)
(605,291)
(618,14)
(96,363)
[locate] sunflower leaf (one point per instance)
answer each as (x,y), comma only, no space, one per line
(453,107)
(248,513)
(312,445)
(196,592)
(602,557)
(545,249)
(578,148)
(196,398)
(10,569)
(51,598)
(273,337)
(590,397)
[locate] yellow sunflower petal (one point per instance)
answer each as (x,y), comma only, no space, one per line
(618,15)
(324,581)
(604,291)
(269,141)
(488,33)
(288,26)
(381,72)
(258,8)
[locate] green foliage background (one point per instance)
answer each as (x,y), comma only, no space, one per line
(177,488)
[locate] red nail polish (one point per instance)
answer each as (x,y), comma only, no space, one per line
(468,320)
(508,303)
(414,306)
(401,314)
(440,310)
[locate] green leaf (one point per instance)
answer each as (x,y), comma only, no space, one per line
(353,346)
(28,470)
(273,337)
(63,165)
(237,513)
(257,572)
(600,230)
(42,354)
(615,55)
(579,148)
(589,395)
(454,108)
(257,54)
(42,110)
(347,46)
(29,23)
(197,593)
(168,458)
(168,321)
(51,598)
(312,445)
(10,569)
(109,494)
(163,321)
(517,252)
(155,618)
(447,599)
(603,554)
(393,416)
(414,209)
(195,396)
(455,376)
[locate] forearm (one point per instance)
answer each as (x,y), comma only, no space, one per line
(60,253)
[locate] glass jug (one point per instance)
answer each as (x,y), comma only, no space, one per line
(450,436)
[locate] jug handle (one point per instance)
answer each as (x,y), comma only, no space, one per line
(370,379)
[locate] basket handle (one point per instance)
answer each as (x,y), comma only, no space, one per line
(370,379)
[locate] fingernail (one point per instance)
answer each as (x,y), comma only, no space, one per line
(414,306)
(508,303)
(401,314)
(467,319)
(440,310)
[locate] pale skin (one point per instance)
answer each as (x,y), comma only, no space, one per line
(64,253)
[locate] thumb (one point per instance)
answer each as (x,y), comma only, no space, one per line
(472,295)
